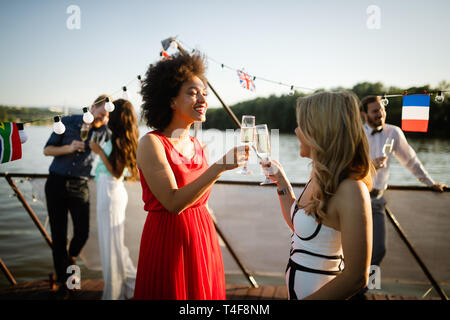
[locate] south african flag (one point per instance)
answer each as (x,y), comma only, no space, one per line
(10,145)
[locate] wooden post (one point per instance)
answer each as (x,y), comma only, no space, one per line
(30,211)
(7,273)
(236,258)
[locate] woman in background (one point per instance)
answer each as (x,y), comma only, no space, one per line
(332,219)
(118,157)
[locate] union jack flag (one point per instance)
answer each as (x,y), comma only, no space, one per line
(246,81)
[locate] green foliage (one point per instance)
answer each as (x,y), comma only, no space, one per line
(24,114)
(279,112)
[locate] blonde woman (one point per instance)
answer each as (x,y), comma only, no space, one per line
(332,218)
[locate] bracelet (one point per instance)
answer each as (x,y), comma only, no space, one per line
(284,191)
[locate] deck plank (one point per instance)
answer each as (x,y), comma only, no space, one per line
(92,290)
(253,293)
(267,292)
(280,293)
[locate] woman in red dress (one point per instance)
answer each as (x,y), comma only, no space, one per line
(179,256)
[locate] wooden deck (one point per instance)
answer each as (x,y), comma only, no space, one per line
(92,290)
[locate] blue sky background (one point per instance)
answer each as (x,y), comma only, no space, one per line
(314,44)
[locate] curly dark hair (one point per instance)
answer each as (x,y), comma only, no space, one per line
(163,82)
(123,124)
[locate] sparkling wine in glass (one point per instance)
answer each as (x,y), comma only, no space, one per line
(84,132)
(263,148)
(388,146)
(247,137)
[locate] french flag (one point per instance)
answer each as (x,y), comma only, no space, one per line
(415,112)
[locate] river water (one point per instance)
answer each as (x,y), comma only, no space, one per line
(29,258)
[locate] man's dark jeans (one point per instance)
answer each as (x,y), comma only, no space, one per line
(63,195)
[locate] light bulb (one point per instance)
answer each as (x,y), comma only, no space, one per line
(291,92)
(173,45)
(58,126)
(22,134)
(440,97)
(125,94)
(87,116)
(109,106)
(385,101)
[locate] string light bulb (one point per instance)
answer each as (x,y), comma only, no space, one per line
(22,134)
(125,94)
(87,116)
(58,126)
(173,45)
(109,106)
(385,101)
(291,92)
(440,97)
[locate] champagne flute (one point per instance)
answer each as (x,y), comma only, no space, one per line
(95,137)
(388,146)
(247,137)
(84,133)
(263,148)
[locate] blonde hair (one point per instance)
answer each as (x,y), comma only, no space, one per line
(331,123)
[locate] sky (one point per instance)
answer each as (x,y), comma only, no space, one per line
(311,44)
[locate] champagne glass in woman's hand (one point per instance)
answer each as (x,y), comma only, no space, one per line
(247,137)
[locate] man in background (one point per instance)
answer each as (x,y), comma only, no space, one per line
(66,189)
(386,140)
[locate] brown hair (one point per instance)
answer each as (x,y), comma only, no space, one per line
(366,100)
(123,124)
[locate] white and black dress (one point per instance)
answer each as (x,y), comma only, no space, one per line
(315,257)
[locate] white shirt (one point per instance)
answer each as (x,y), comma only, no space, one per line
(402,151)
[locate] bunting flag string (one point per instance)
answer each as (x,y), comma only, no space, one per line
(246,80)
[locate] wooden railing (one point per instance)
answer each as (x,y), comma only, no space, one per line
(250,278)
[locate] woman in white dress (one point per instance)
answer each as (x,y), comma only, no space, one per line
(332,218)
(118,157)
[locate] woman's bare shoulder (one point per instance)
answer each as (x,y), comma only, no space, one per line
(352,191)
(149,148)
(150,141)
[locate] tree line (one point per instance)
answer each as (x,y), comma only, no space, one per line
(278,112)
(22,114)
